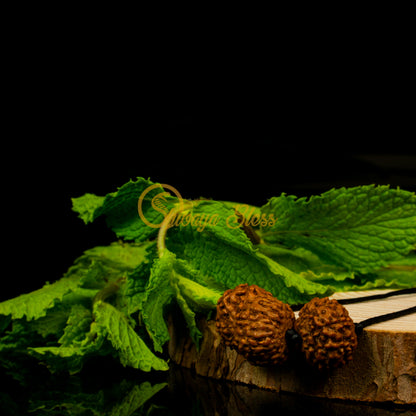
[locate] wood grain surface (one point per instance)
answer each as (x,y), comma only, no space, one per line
(383,368)
(369,309)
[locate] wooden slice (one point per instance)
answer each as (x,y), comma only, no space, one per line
(383,368)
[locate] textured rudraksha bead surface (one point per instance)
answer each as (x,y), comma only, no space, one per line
(254,323)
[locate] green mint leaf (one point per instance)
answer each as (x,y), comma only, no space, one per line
(131,349)
(78,324)
(292,286)
(134,291)
(86,206)
(157,297)
(81,340)
(60,359)
(240,262)
(54,322)
(295,259)
(188,313)
(77,348)
(217,220)
(305,263)
(99,265)
(167,283)
(36,304)
(360,228)
(404,270)
(385,278)
(193,298)
(201,297)
(398,274)
(121,209)
(93,269)
(18,337)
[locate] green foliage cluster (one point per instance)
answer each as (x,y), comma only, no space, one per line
(114,299)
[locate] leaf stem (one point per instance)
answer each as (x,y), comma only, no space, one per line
(108,290)
(161,236)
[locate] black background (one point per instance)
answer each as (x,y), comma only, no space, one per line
(229,155)
(89,113)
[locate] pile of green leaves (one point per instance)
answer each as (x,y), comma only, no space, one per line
(114,299)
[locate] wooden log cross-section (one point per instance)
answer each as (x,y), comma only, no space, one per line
(383,368)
